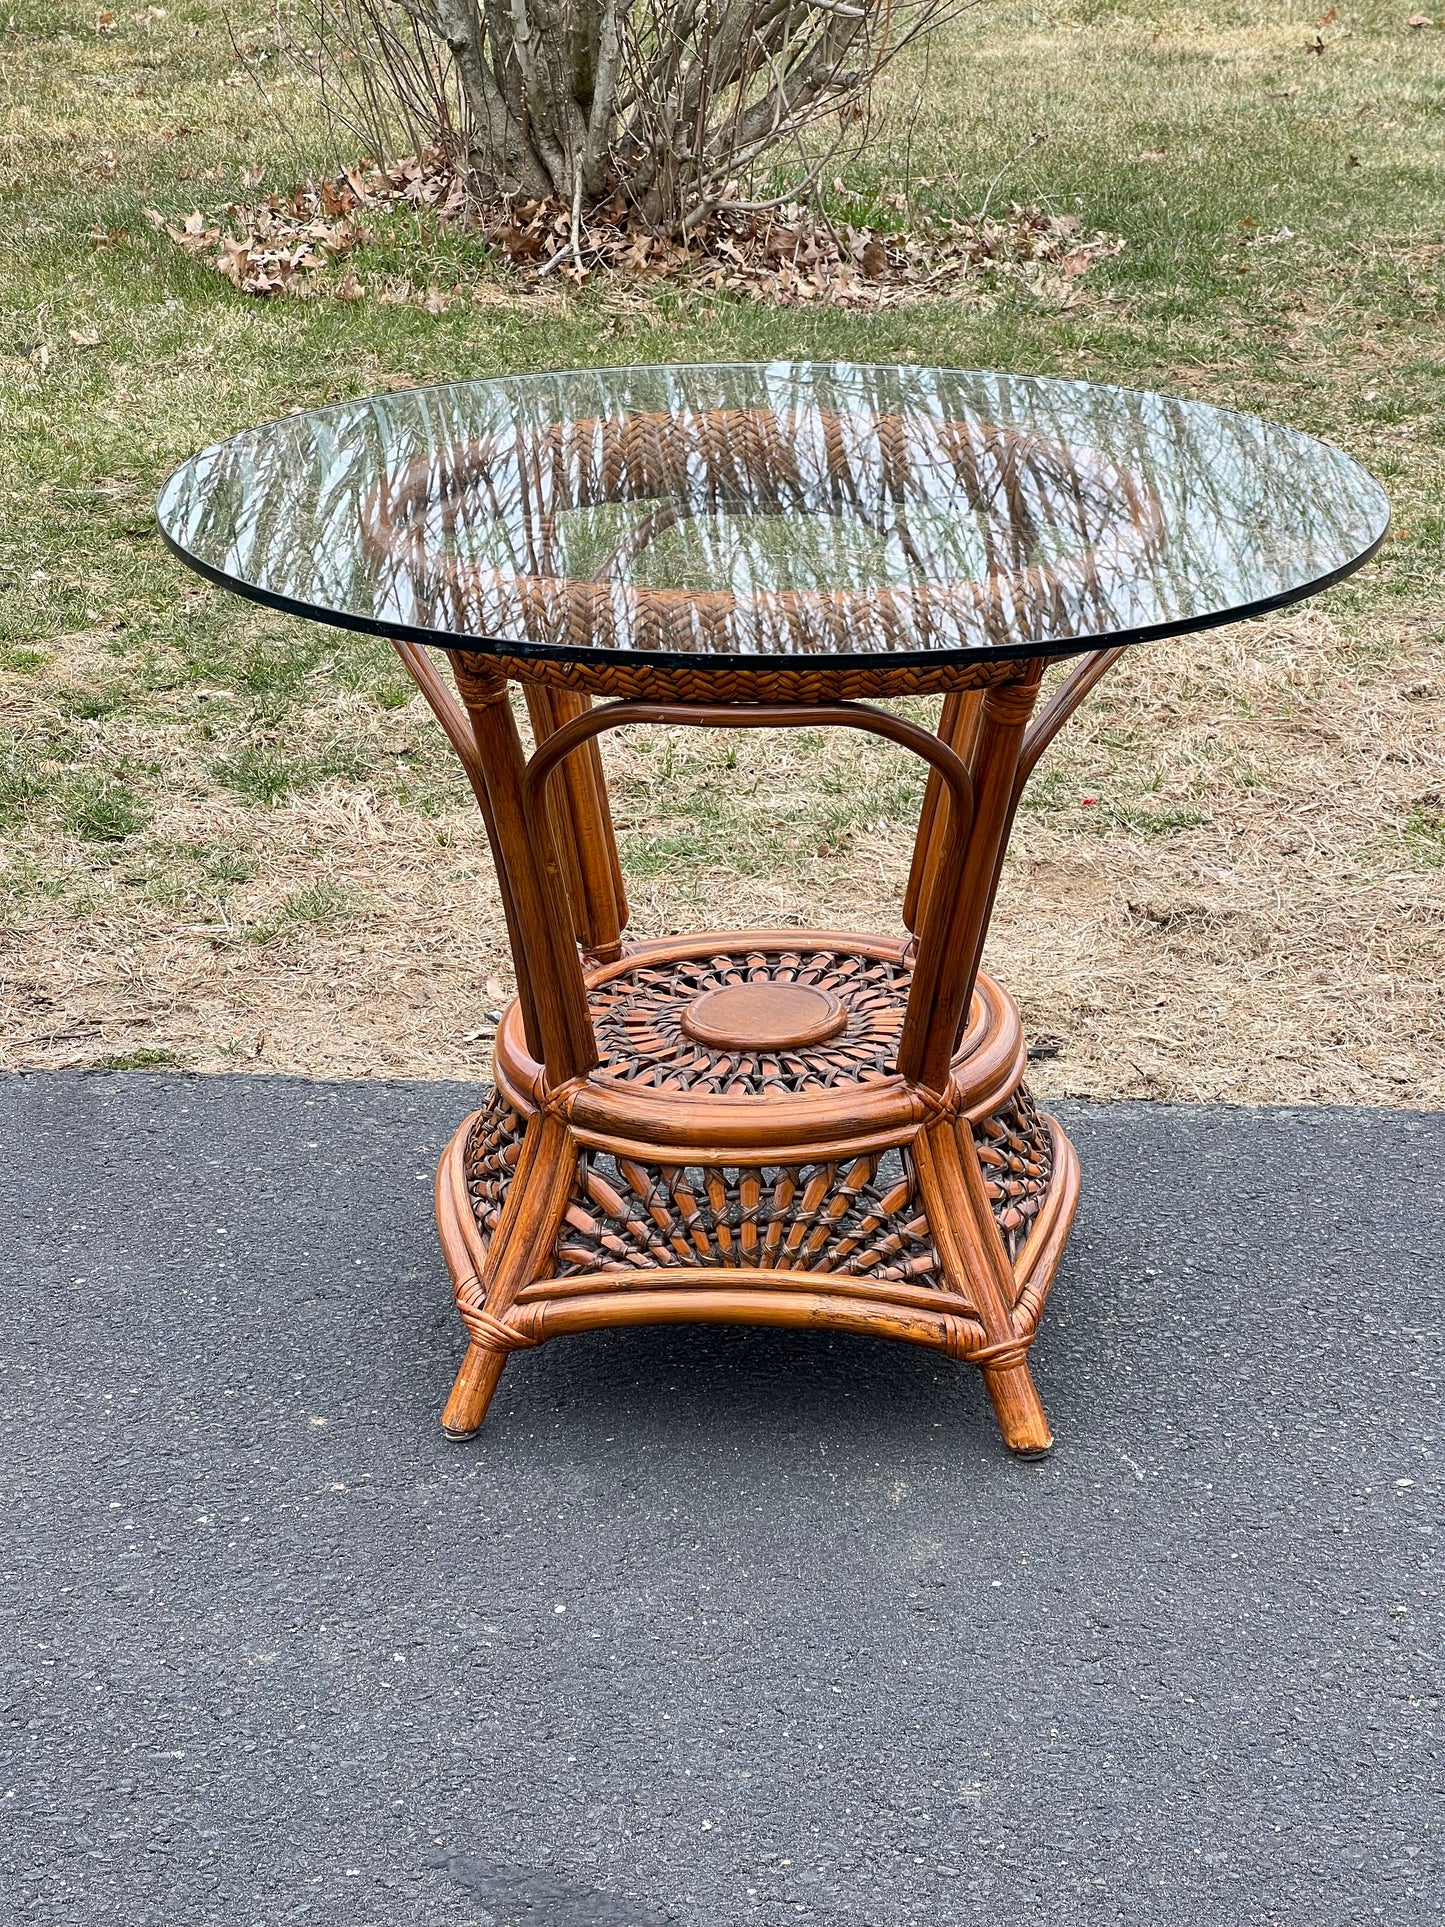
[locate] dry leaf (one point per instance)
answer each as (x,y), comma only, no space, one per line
(349,289)
(1315,46)
(149,14)
(1419,20)
(783,256)
(85,338)
(105,22)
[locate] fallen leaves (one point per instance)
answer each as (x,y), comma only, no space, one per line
(785,255)
(789,257)
(281,244)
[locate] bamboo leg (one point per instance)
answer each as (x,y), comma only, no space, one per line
(521,1252)
(958,727)
(955,920)
(1017,1408)
(976,1265)
(544,951)
(472,1391)
(582,828)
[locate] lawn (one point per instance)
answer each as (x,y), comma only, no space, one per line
(230,839)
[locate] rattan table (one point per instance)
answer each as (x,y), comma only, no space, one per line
(797,1127)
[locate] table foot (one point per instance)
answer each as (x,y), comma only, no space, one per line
(1017,1408)
(472,1391)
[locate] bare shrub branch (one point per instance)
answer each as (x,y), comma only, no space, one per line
(672,107)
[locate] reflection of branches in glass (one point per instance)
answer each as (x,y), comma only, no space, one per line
(793,509)
(768,529)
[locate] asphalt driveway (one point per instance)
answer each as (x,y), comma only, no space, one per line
(708,1626)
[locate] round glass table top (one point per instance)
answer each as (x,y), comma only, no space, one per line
(773,511)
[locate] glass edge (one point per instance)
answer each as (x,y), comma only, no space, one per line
(719,665)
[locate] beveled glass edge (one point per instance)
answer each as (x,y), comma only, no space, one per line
(912,659)
(880,659)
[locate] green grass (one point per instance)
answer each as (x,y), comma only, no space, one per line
(1284,252)
(265,775)
(229,866)
(1425,836)
(102,809)
(314,905)
(141,1060)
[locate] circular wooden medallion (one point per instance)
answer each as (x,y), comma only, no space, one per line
(764,1016)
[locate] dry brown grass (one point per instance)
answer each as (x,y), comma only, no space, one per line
(1250,909)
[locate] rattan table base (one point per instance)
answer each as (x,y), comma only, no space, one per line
(811,1128)
(871,1207)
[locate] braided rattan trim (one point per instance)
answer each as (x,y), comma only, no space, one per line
(639,679)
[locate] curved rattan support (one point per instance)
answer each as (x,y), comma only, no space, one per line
(936,1006)
(1080,682)
(460,733)
(841,715)
(445,707)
